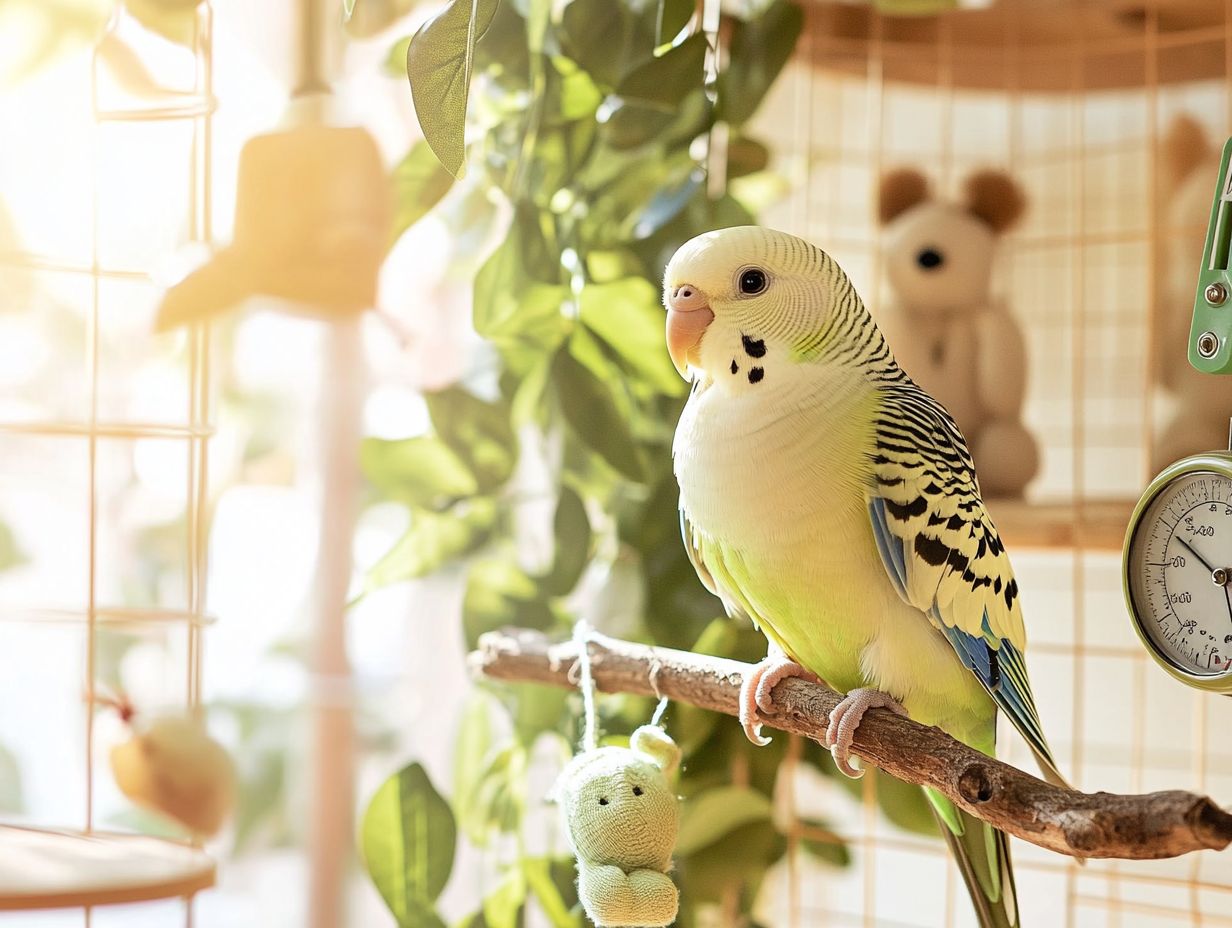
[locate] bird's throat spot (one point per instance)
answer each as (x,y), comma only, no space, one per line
(756,374)
(735,368)
(754,347)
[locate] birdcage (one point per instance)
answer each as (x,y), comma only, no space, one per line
(1094,109)
(1077,102)
(123,428)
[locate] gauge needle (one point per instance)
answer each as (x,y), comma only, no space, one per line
(1200,558)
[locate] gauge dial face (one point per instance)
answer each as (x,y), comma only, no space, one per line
(1180,573)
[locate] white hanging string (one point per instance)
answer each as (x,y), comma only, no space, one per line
(590,733)
(657,718)
(583,634)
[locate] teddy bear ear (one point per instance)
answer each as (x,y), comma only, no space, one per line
(994,198)
(654,743)
(900,190)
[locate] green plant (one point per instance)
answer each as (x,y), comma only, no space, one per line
(590,124)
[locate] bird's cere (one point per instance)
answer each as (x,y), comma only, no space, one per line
(688,314)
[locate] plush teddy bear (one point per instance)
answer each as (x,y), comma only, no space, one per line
(621,817)
(1198,420)
(947,333)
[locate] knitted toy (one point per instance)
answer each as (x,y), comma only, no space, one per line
(948,334)
(621,816)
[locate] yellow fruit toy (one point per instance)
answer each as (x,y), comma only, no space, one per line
(172,766)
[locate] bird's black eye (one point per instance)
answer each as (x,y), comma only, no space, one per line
(752,281)
(930,258)
(637,791)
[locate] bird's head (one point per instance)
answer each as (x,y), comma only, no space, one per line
(733,294)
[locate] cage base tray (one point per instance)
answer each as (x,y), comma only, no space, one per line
(47,869)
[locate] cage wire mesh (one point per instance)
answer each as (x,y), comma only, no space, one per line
(1074,101)
(75,441)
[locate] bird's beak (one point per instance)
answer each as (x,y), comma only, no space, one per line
(688,314)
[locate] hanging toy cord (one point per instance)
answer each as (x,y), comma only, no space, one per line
(583,634)
(586,683)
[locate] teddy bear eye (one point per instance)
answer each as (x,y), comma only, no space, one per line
(637,791)
(602,801)
(930,259)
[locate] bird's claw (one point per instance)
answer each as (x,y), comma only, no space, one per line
(845,719)
(757,692)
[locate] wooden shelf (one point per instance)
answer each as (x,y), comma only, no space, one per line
(47,869)
(1094,526)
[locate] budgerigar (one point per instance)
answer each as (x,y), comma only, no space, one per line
(834,503)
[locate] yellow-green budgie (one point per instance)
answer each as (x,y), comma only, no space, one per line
(834,503)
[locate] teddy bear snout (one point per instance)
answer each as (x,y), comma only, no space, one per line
(930,259)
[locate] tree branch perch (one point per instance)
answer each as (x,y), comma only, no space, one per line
(1148,826)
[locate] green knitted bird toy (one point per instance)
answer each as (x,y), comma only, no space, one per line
(621,817)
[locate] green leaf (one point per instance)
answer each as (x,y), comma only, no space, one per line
(497,594)
(538,871)
(713,814)
(628,317)
(172,19)
(11,554)
(439,61)
(535,709)
(419,184)
(571,92)
(594,416)
(369,18)
(741,859)
(572,530)
(395,62)
(667,80)
(502,906)
(495,801)
(904,804)
(758,51)
(433,540)
(673,16)
(472,744)
(596,34)
(480,433)
(825,845)
(517,294)
(628,124)
(421,471)
(746,156)
(668,202)
(407,839)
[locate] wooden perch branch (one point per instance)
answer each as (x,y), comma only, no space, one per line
(1153,825)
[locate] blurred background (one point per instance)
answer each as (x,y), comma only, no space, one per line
(301,515)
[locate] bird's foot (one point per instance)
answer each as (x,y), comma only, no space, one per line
(845,719)
(757,691)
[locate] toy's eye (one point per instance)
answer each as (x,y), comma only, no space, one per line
(602,802)
(752,281)
(930,258)
(637,791)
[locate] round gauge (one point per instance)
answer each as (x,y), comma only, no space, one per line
(1178,570)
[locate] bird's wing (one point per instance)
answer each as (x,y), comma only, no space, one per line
(943,554)
(734,607)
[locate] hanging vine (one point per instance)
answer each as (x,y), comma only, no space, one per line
(587,125)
